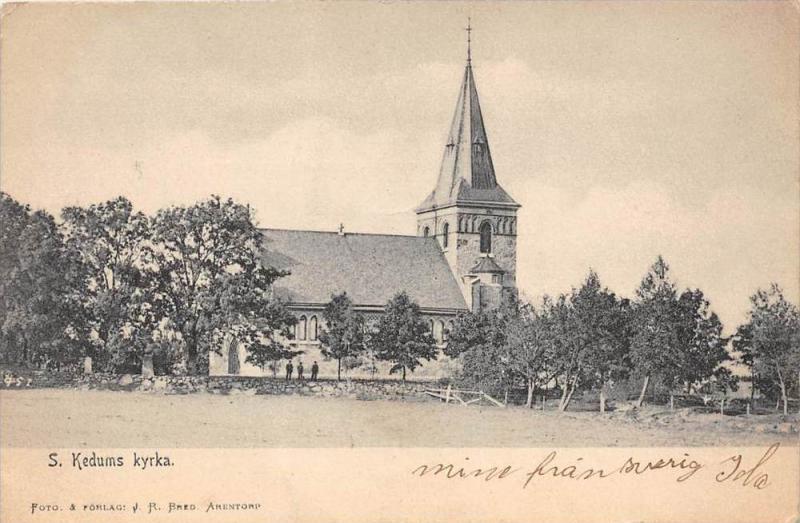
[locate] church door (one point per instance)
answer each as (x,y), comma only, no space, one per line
(233,357)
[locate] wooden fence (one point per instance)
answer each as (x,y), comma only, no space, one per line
(462,397)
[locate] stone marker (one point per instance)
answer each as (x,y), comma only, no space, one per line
(147,366)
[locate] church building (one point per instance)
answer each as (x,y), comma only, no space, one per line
(463,256)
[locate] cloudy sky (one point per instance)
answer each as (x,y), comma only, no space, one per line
(624,129)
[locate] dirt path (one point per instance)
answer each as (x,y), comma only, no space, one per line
(69,418)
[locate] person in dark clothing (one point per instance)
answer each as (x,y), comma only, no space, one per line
(289,369)
(314,371)
(300,371)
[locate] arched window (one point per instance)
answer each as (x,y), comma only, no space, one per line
(448,328)
(312,328)
(445,234)
(301,328)
(426,231)
(430,326)
(486,237)
(233,357)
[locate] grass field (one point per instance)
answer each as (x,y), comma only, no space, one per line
(71,418)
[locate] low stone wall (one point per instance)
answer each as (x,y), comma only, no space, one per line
(359,389)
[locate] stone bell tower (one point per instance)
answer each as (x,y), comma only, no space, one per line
(472,217)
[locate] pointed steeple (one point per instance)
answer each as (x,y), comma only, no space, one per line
(467,172)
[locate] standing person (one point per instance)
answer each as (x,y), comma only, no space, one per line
(300,371)
(314,371)
(289,369)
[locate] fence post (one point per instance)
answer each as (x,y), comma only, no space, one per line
(722,407)
(447,395)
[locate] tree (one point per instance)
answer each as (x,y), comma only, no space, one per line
(343,334)
(402,336)
(479,341)
(655,343)
(40,321)
(702,346)
(109,240)
(597,335)
(568,350)
(529,342)
(770,341)
(208,262)
(265,345)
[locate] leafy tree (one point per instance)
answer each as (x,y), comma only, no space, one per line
(402,336)
(702,346)
(209,271)
(596,338)
(501,348)
(655,342)
(109,239)
(40,321)
(15,219)
(529,342)
(478,340)
(343,334)
(567,350)
(253,317)
(265,347)
(770,341)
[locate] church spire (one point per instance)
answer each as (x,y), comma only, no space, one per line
(469,41)
(467,171)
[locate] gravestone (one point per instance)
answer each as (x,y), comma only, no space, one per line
(87,365)
(147,366)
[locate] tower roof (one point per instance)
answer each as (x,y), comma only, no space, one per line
(486,265)
(467,173)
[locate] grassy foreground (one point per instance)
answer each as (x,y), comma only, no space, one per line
(72,418)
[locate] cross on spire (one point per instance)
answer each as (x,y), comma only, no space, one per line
(469,40)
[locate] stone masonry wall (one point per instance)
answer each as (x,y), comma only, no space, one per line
(359,389)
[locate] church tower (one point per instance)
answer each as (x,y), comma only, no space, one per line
(472,217)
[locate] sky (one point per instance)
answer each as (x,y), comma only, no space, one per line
(625,129)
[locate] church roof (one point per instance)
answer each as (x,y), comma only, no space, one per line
(467,172)
(372,268)
(486,265)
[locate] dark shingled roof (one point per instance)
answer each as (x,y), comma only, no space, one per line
(486,265)
(467,172)
(370,267)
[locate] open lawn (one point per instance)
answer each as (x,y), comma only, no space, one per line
(71,418)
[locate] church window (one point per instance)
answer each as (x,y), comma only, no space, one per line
(301,328)
(497,278)
(430,326)
(426,231)
(486,237)
(445,234)
(312,328)
(233,357)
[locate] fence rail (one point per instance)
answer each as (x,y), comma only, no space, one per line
(455,395)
